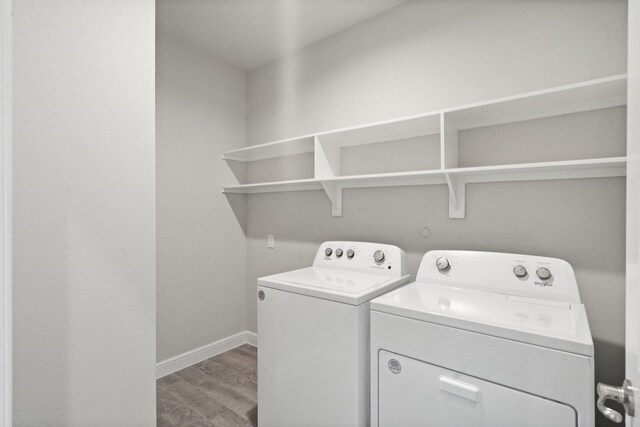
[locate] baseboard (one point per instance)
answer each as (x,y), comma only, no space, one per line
(252,338)
(197,355)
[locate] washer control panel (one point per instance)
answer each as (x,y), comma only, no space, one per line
(367,257)
(443,264)
(510,274)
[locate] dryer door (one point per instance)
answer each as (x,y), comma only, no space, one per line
(415,393)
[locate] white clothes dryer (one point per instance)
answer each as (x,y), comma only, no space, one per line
(483,339)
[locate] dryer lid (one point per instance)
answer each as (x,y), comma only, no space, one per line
(352,287)
(558,325)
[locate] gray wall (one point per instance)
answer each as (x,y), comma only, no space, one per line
(426,55)
(84,214)
(201,251)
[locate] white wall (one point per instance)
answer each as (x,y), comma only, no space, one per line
(430,54)
(427,55)
(201,250)
(84,213)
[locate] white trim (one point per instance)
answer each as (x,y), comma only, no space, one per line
(252,338)
(5,214)
(199,354)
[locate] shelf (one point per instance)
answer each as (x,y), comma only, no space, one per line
(580,97)
(395,179)
(597,168)
(274,187)
(354,181)
(392,130)
(457,178)
(585,96)
(270,150)
(589,168)
(326,146)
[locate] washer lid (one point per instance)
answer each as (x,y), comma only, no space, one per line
(351,287)
(557,325)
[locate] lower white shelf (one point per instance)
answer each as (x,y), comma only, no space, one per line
(394,179)
(588,168)
(455,178)
(458,178)
(274,187)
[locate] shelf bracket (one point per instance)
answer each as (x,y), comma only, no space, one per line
(334,192)
(457,193)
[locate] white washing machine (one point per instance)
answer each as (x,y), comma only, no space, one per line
(483,339)
(313,335)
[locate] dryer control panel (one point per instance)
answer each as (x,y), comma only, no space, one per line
(374,258)
(527,276)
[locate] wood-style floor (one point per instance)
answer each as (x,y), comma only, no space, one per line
(221,392)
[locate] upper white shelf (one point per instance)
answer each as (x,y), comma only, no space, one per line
(392,130)
(287,147)
(584,96)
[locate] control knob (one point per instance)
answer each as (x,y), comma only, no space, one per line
(378,256)
(350,253)
(519,271)
(543,273)
(338,253)
(443,264)
(328,251)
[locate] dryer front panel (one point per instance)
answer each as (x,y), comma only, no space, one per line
(415,393)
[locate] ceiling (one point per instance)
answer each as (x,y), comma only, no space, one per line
(251,33)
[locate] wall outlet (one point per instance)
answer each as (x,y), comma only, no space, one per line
(271,241)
